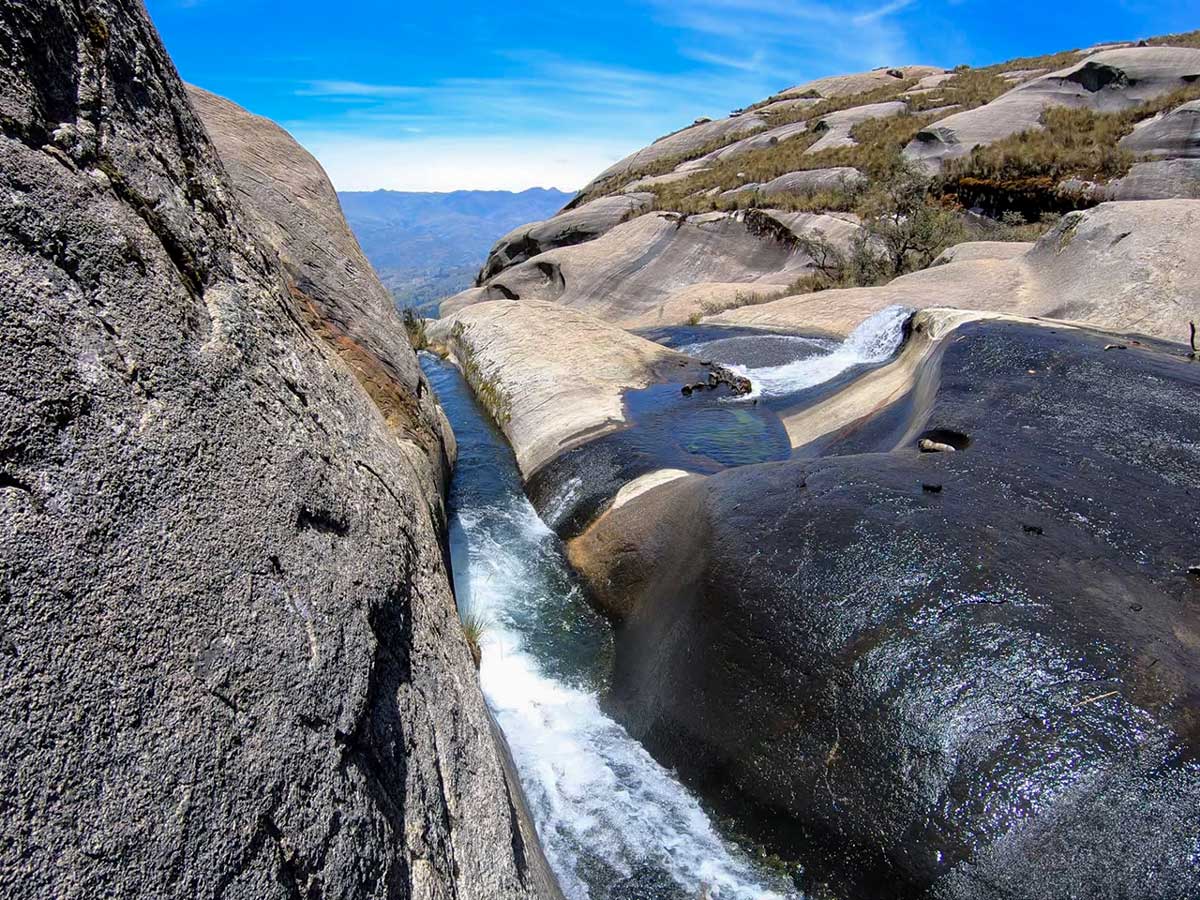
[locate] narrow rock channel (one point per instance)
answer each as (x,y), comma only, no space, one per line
(615,824)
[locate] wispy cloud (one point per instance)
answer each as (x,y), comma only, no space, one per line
(356,89)
(562,119)
(800,40)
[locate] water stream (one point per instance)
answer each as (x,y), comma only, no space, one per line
(614,823)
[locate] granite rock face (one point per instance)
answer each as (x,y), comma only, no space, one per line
(685,142)
(635,274)
(573,226)
(231,658)
(1175,134)
(963,674)
(1105,81)
(860,82)
(293,208)
(561,373)
(1123,266)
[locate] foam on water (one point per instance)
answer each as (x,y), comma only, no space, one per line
(614,823)
(872,342)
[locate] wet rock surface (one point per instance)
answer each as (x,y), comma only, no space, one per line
(231,660)
(959,674)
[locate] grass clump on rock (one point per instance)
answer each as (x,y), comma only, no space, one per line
(474,628)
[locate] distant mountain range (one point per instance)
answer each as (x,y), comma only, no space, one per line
(427,246)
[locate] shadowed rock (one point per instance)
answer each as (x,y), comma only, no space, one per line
(1174,134)
(231,658)
(963,674)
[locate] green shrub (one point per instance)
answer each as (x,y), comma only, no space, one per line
(414,326)
(475,628)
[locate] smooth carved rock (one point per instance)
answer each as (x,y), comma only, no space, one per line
(1106,81)
(683,143)
(231,660)
(292,206)
(761,141)
(562,370)
(931,680)
(574,226)
(1126,267)
(812,181)
(835,128)
(846,85)
(1174,134)
(1160,179)
(631,275)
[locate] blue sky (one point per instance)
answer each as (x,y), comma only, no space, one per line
(429,96)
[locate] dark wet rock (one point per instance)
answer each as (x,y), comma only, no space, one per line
(943,693)
(231,661)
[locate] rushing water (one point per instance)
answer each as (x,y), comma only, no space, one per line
(615,824)
(812,362)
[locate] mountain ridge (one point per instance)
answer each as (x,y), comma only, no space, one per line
(426,245)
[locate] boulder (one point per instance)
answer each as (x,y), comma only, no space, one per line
(1173,134)
(1121,266)
(835,128)
(1160,179)
(231,658)
(627,275)
(573,226)
(1107,81)
(964,674)
(559,373)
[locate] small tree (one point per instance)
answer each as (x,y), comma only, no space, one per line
(901,219)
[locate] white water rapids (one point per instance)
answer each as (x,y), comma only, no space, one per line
(873,341)
(615,824)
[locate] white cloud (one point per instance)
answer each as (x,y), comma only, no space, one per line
(356,89)
(446,164)
(802,38)
(557,121)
